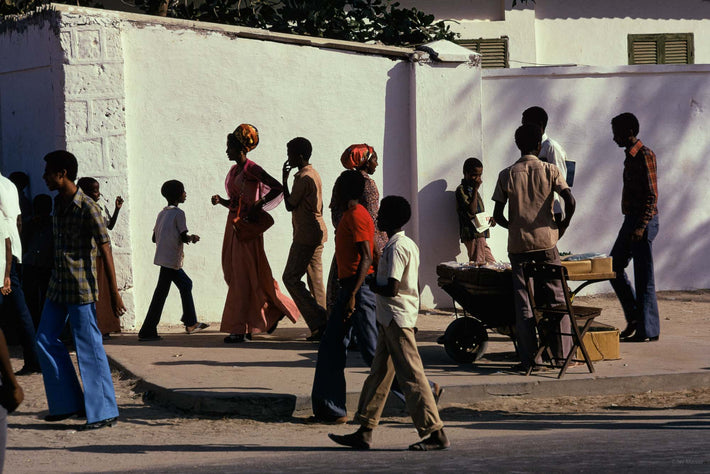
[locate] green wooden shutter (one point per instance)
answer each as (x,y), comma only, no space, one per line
(494,52)
(661,49)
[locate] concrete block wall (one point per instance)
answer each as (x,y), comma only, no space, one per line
(95,124)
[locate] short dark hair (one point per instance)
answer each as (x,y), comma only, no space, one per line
(42,205)
(85,183)
(626,121)
(350,185)
(396,209)
(535,115)
(62,160)
(471,164)
(301,146)
(528,137)
(172,190)
(20,179)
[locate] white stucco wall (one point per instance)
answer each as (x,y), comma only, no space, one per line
(141,101)
(672,105)
(186,90)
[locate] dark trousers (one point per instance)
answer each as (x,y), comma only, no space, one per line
(639,302)
(155,310)
(15,311)
(524,317)
(35,281)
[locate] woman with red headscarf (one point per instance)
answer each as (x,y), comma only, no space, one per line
(361,157)
(254,302)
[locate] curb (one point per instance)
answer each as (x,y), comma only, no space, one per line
(269,406)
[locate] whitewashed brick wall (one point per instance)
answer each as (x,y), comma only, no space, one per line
(95,124)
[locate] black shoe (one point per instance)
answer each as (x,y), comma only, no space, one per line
(638,338)
(52,418)
(316,335)
(28,370)
(234,338)
(106,337)
(275,325)
(99,424)
(629,331)
(149,338)
(353,440)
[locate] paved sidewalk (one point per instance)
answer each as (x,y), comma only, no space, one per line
(272,375)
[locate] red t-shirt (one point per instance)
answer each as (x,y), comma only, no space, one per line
(355,226)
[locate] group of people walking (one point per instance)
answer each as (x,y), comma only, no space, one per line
(372,292)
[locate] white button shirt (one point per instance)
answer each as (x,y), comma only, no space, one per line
(9,211)
(552,152)
(399,260)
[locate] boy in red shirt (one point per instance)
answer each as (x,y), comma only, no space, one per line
(354,309)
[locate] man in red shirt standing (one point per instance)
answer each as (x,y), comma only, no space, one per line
(354,309)
(639,200)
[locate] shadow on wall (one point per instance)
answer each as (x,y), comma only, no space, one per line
(580,112)
(396,156)
(438,234)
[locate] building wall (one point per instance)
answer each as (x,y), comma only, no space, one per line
(31,110)
(588,33)
(671,103)
(141,102)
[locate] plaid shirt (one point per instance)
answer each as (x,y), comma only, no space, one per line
(75,225)
(640,194)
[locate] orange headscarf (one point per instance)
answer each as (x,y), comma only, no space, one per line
(247,135)
(355,156)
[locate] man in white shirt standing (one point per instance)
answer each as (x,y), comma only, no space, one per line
(14,305)
(396,287)
(550,152)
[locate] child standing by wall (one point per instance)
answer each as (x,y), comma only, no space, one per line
(468,204)
(396,354)
(105,317)
(169,235)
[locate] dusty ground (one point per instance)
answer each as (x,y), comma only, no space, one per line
(154,436)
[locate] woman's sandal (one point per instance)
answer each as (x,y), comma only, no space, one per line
(234,338)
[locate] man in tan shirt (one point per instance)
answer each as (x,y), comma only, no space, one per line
(529,186)
(305,202)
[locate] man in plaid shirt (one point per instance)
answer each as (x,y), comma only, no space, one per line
(72,293)
(639,200)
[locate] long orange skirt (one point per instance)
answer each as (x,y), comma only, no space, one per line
(254,302)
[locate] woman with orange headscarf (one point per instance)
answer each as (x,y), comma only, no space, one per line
(361,157)
(254,302)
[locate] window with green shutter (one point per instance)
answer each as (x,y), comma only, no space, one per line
(661,49)
(494,52)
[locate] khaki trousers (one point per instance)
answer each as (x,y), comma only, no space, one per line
(307,260)
(397,354)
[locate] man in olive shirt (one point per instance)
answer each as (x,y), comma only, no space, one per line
(529,186)
(305,202)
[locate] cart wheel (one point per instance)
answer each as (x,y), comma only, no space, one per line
(465,340)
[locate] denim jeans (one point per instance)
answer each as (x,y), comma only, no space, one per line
(155,310)
(14,306)
(639,302)
(61,384)
(328,394)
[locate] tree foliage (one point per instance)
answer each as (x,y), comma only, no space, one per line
(380,21)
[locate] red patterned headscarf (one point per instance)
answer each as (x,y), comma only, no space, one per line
(355,156)
(247,135)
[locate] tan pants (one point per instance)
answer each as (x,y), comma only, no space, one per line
(307,260)
(397,354)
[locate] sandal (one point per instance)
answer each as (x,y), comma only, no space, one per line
(234,338)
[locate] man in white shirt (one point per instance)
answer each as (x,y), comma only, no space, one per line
(14,305)
(396,287)
(550,152)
